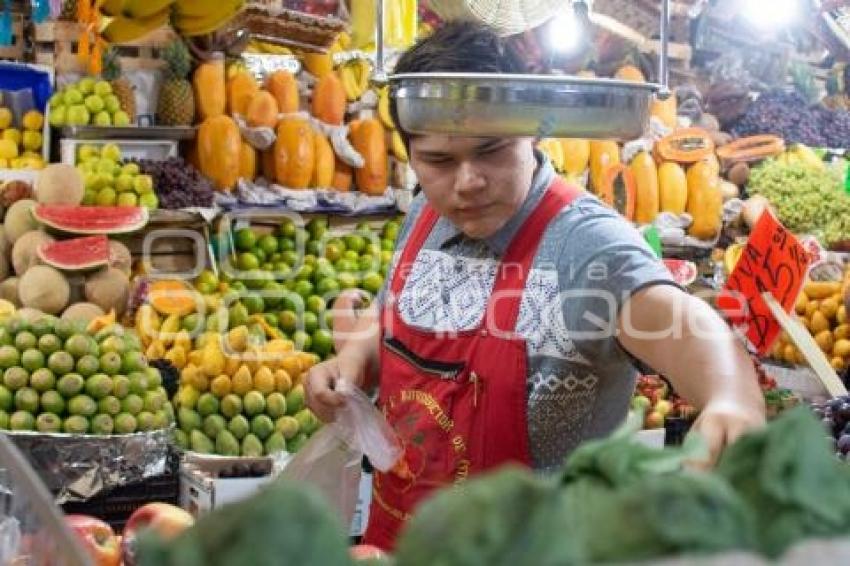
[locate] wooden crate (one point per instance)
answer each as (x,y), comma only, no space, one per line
(56,46)
(15,52)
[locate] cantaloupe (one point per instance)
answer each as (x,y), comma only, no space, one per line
(9,291)
(82,311)
(120,257)
(59,183)
(19,220)
(109,289)
(24,252)
(45,289)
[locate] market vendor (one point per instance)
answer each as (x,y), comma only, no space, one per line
(513,313)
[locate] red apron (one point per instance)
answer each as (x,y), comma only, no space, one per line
(456,400)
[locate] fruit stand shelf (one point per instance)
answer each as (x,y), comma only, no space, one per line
(114,132)
(56,44)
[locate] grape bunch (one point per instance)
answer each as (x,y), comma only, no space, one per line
(178,184)
(835,415)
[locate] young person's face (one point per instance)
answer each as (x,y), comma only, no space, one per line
(476,183)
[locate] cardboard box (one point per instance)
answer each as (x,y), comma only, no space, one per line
(201,492)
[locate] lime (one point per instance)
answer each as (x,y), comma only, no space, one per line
(285,245)
(315,304)
(384,269)
(287,228)
(27,399)
(288,321)
(270,319)
(77,346)
(291,258)
(109,405)
(262,426)
(314,247)
(9,357)
(390,230)
(386,256)
(147,421)
(133,361)
(324,270)
(310,260)
(272,292)
(133,404)
(102,424)
(82,405)
(253,303)
(329,320)
(372,282)
(76,424)
(110,363)
(254,403)
(120,386)
(304,288)
(208,279)
(32,359)
(301,238)
(42,380)
(282,271)
(21,420)
(387,245)
(25,340)
(5,398)
(138,382)
(64,329)
(49,343)
(113,344)
(6,337)
(355,243)
(347,281)
(310,322)
(17,325)
(323,342)
(154,378)
(317,227)
(15,378)
(261,255)
(70,384)
(244,239)
(191,323)
(302,340)
(275,257)
(327,287)
(268,266)
(368,262)
(346,266)
(268,244)
(239,427)
(52,402)
(304,273)
(48,423)
(99,386)
(373,249)
(237,315)
(247,262)
(292,302)
(125,423)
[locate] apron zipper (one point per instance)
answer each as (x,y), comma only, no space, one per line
(399,349)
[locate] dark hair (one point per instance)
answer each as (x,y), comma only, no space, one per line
(459,47)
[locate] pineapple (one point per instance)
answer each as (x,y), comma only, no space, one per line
(176,104)
(121,86)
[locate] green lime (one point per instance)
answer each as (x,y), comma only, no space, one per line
(347,281)
(82,405)
(253,303)
(9,357)
(125,423)
(268,266)
(346,266)
(138,382)
(22,420)
(247,262)
(323,270)
(304,288)
(314,247)
(110,363)
(310,260)
(70,384)
(287,228)
(64,329)
(99,386)
(52,402)
(292,302)
(387,245)
(133,361)
(315,304)
(76,424)
(260,254)
(244,239)
(323,342)
(272,293)
(25,340)
(42,326)
(372,282)
(305,272)
(368,263)
(109,405)
(373,249)
(15,378)
(328,320)
(270,319)
(285,245)
(282,271)
(77,346)
(355,243)
(27,399)
(208,278)
(191,323)
(133,404)
(390,230)
(154,378)
(291,258)
(32,359)
(317,228)
(310,321)
(42,380)
(302,340)
(288,321)
(268,244)
(5,398)
(102,424)
(48,423)
(17,325)
(49,343)
(327,287)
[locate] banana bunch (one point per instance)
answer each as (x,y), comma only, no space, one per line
(799,153)
(555,151)
(397,147)
(257,46)
(128,20)
(199,17)
(355,75)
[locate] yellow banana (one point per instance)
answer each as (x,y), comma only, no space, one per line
(122,29)
(384,108)
(553,149)
(344,40)
(398,149)
(349,84)
(112,7)
(364,72)
(141,9)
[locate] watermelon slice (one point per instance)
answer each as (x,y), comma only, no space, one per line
(684,272)
(88,220)
(78,254)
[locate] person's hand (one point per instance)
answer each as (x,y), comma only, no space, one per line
(721,423)
(322,384)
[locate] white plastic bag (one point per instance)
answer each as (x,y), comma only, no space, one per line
(331,460)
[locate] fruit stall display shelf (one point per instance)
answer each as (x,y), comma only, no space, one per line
(15,52)
(175,133)
(56,44)
(130,148)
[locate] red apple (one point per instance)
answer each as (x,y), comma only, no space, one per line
(97,538)
(366,552)
(166,520)
(654,420)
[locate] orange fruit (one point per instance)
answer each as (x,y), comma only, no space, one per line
(221,386)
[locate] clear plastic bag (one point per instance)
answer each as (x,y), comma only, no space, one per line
(331,460)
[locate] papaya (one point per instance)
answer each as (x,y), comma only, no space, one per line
(294,153)
(241,88)
(247,162)
(219,149)
(284,88)
(323,171)
(672,188)
(603,153)
(268,165)
(618,189)
(208,85)
(665,110)
(646,188)
(343,176)
(328,104)
(262,110)
(317,64)
(367,137)
(705,201)
(576,155)
(686,145)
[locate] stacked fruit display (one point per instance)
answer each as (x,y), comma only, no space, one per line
(108,182)
(654,397)
(58,377)
(106,101)
(20,148)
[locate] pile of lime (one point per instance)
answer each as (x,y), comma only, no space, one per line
(58,378)
(292,275)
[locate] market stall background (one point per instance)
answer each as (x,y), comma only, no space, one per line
(188,188)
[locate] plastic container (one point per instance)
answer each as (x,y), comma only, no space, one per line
(130,149)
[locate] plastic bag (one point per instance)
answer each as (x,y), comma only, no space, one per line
(331,460)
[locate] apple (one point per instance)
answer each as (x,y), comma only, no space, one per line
(111,152)
(98,539)
(102,119)
(131,169)
(56,100)
(94,103)
(366,552)
(165,520)
(664,407)
(654,420)
(124,183)
(640,403)
(73,96)
(106,167)
(102,88)
(112,103)
(58,116)
(121,118)
(78,115)
(86,85)
(87,150)
(143,184)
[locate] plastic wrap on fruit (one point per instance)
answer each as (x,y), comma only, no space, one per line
(260,138)
(342,146)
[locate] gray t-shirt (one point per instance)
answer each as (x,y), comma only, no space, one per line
(590,260)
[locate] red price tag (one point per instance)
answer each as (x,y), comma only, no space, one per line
(773,261)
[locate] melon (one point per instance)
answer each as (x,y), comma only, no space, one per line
(4,254)
(44,288)
(25,250)
(82,311)
(9,291)
(109,289)
(90,220)
(120,257)
(78,254)
(59,183)
(19,220)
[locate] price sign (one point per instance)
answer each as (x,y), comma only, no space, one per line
(774,262)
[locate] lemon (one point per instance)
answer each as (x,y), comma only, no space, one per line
(32,140)
(33,120)
(8,149)
(12,134)
(5,118)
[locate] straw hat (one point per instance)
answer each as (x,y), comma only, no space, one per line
(507,16)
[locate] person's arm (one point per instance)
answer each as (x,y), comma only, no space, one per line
(684,339)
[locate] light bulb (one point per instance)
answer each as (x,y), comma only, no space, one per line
(566,32)
(770,14)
